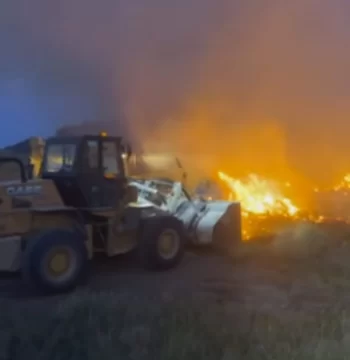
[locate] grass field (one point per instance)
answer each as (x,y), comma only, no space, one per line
(111,326)
(106,327)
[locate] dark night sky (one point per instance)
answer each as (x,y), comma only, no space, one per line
(69,61)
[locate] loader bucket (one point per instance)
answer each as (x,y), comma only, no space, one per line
(220,225)
(227,232)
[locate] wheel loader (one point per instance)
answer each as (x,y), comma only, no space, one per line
(81,204)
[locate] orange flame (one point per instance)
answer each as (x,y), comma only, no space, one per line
(260,199)
(344,184)
(260,196)
(265,206)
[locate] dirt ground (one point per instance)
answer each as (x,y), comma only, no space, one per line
(264,287)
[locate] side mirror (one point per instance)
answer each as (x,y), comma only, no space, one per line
(126,151)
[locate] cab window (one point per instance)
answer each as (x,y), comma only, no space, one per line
(110,159)
(60,157)
(92,154)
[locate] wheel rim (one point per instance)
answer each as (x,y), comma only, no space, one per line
(168,244)
(59,264)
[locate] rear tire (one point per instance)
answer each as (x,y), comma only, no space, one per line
(155,232)
(55,261)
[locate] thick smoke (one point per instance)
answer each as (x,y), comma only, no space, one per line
(260,85)
(272,94)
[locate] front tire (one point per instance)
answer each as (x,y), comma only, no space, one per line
(162,243)
(55,261)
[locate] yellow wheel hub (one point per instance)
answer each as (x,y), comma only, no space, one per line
(168,244)
(59,262)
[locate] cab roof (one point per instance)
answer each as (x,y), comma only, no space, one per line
(75,139)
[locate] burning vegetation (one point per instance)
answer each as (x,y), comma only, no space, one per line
(260,196)
(266,207)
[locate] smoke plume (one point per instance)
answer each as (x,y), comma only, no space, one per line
(257,85)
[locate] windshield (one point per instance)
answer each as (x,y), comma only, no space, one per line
(60,157)
(110,159)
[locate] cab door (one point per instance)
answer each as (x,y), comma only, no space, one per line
(113,176)
(92,173)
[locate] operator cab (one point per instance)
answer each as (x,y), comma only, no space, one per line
(87,170)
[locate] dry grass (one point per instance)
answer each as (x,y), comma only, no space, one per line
(300,242)
(109,326)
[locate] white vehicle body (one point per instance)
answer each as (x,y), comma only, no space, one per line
(206,221)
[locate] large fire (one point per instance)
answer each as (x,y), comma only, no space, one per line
(261,200)
(265,205)
(259,196)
